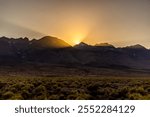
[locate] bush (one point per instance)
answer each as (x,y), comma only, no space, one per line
(40,92)
(8,95)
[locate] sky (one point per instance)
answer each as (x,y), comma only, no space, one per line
(119,22)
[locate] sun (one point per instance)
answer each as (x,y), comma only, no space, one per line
(77,41)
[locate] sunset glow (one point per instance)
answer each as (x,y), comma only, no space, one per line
(77,41)
(118,22)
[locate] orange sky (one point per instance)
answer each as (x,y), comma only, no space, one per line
(119,22)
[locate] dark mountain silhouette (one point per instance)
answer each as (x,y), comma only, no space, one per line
(49,42)
(137,46)
(82,45)
(104,45)
(53,51)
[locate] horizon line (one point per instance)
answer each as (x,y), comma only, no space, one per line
(30,39)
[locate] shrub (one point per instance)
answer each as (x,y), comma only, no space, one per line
(8,95)
(135,96)
(40,92)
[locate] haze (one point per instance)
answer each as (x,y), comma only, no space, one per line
(119,22)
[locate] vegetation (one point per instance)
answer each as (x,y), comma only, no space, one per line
(62,88)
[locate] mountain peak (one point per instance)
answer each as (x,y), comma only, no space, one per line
(50,42)
(49,37)
(81,45)
(137,46)
(104,45)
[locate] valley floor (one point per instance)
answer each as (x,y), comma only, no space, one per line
(35,82)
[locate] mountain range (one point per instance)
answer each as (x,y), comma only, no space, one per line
(53,51)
